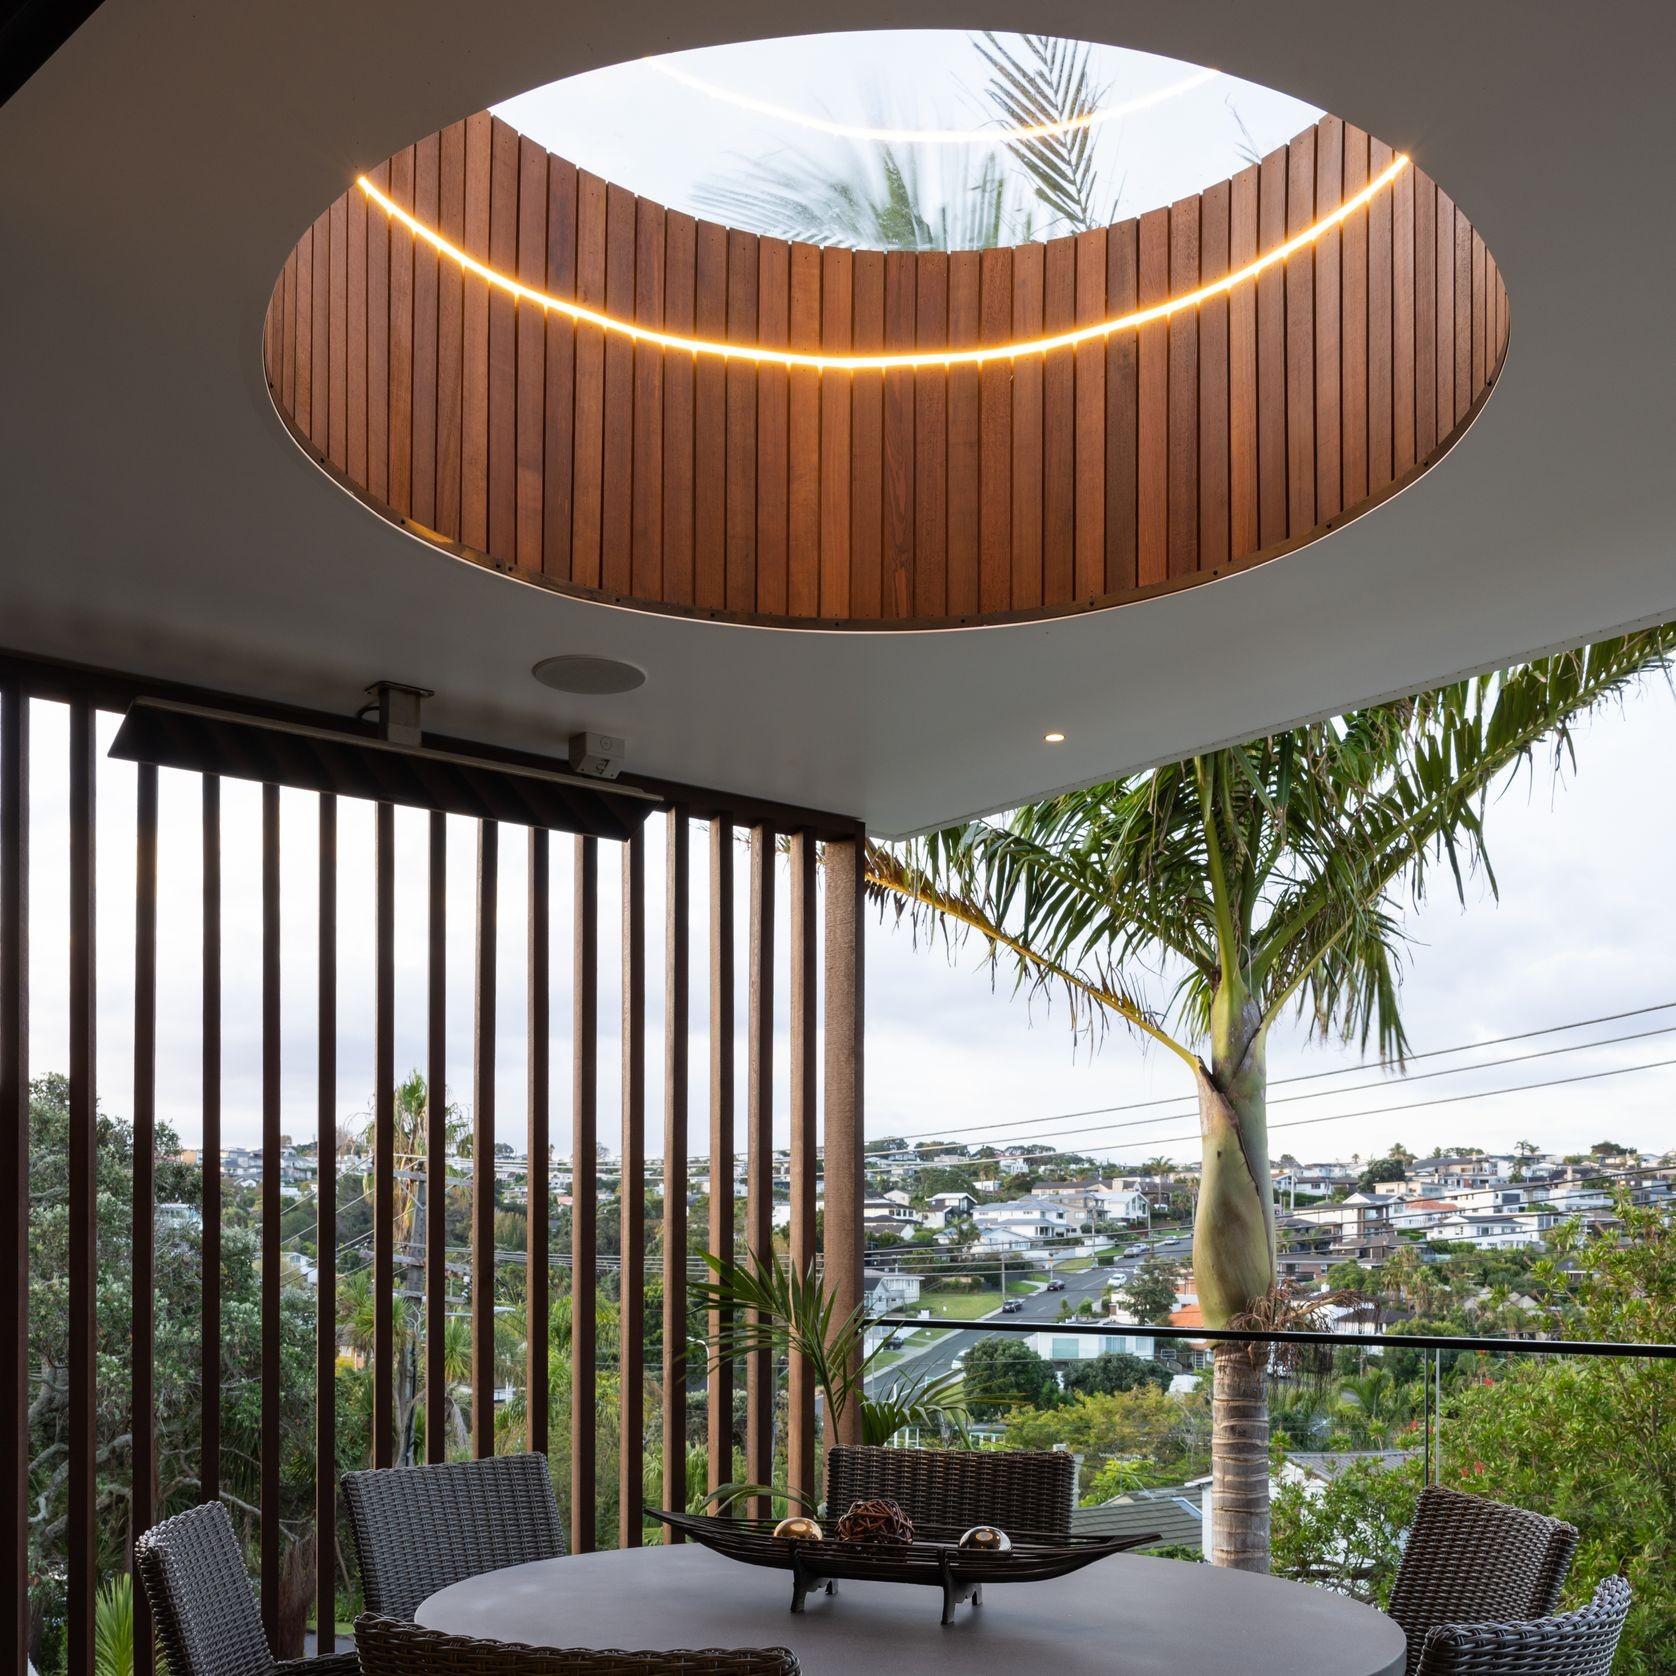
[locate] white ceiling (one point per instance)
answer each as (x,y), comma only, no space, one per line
(157,519)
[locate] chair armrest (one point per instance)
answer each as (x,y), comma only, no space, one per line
(333,1664)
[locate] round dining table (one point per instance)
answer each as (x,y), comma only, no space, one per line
(1124,1616)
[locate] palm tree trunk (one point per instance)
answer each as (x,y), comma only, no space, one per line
(1234,1272)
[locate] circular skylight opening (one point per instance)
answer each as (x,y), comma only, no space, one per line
(910,139)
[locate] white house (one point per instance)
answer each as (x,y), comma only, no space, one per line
(1033,1217)
(889,1292)
(1064,1344)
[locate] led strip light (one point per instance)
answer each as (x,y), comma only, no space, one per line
(813,360)
(932,136)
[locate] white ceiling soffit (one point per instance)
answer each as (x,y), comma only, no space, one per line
(154,174)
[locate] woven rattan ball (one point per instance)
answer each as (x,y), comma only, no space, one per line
(878,1520)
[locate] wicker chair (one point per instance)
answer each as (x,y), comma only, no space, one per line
(418,1529)
(201,1602)
(390,1648)
(1020,1491)
(1580,1643)
(1474,1561)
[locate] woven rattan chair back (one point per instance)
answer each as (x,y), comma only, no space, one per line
(1474,1561)
(1017,1490)
(418,1529)
(201,1601)
(1580,1643)
(390,1648)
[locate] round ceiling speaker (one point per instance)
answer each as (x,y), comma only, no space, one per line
(576,672)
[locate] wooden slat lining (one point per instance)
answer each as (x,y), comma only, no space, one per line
(759,1151)
(320,305)
(1393,298)
(710,310)
(1271,354)
(837,271)
(272,1209)
(1122,416)
(503,345)
(866,479)
(1329,301)
(427,276)
(337,352)
(897,536)
(1449,312)
(739,576)
(617,442)
(584,1192)
(531,445)
(1059,420)
(326,1196)
(209,1321)
(538,1140)
(632,1200)
(1152,427)
(844,1080)
(680,279)
(15,1382)
(960,575)
(1300,339)
(646,567)
(1461,230)
(450,333)
(559,402)
(719,1235)
(1089,526)
(482,1262)
(1353,391)
(1242,369)
(474,330)
(384,1139)
(773,457)
(676,1012)
(378,342)
(142,1323)
(81,1326)
(1215,221)
(1026,463)
(801,1461)
(892,533)
(931,417)
(400,436)
(1184,393)
(588,425)
(802,596)
(1426,323)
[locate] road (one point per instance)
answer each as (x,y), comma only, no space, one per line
(953,1341)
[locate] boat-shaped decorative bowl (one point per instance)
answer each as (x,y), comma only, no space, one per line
(933,1559)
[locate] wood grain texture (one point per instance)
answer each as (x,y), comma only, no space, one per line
(1145,458)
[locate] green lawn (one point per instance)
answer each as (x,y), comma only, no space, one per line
(962,1306)
(1076,1265)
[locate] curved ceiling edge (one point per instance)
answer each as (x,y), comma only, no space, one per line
(1149,459)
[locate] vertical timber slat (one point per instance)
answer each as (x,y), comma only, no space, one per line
(538,1264)
(844,1079)
(584,1176)
(483,1144)
(759,1151)
(801,1464)
(272,1208)
(677,980)
(632,1202)
(142,1425)
(384,1139)
(719,1241)
(14,1212)
(326,1290)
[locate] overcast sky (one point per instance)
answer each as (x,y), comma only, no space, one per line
(1584,927)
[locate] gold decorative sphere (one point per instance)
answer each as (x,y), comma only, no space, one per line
(798,1528)
(986,1539)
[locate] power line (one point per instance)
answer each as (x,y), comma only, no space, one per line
(1311,1076)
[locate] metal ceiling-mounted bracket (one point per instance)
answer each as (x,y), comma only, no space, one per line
(397,708)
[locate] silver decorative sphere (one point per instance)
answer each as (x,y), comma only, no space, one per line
(987,1539)
(798,1528)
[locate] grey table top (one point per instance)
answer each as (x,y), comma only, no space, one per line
(1124,1616)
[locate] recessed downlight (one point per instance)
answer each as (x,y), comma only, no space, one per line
(577,672)
(1053,738)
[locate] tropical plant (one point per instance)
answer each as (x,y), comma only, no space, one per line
(113,1627)
(1265,879)
(767,1306)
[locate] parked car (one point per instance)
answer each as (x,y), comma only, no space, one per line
(1056,1286)
(1011,1306)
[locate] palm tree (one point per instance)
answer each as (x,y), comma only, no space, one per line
(1266,879)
